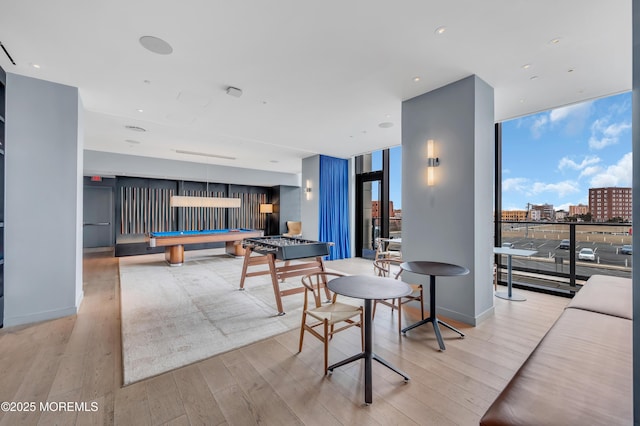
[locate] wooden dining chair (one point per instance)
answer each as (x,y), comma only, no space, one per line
(326,317)
(383,251)
(385,268)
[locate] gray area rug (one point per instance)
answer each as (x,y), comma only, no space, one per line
(174,316)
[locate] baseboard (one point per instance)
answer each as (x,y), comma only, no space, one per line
(39,316)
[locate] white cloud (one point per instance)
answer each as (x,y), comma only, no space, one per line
(561,188)
(618,174)
(538,126)
(515,184)
(567,163)
(590,171)
(604,134)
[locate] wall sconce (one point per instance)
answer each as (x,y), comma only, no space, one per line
(432,162)
(307,189)
(266,208)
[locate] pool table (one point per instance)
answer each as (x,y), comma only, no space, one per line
(175,241)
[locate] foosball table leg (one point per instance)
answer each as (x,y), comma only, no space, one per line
(276,286)
(245,265)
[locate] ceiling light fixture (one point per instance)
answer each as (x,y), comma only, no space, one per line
(385,125)
(135,128)
(533,77)
(234,91)
(440,30)
(156,45)
(526,66)
(416,79)
(554,40)
(204,154)
(133,141)
(140,110)
(36,66)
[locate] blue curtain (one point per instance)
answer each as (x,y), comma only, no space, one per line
(334,205)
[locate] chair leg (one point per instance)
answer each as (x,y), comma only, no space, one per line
(399,316)
(373,312)
(421,302)
(362,330)
(326,347)
(304,318)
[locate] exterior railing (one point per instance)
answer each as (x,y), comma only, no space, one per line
(562,266)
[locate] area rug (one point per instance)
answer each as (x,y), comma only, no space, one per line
(174,316)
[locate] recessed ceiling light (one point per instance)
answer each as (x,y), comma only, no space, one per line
(526,66)
(35,66)
(521,101)
(388,115)
(140,110)
(416,79)
(554,40)
(156,45)
(440,30)
(132,141)
(570,70)
(385,125)
(135,128)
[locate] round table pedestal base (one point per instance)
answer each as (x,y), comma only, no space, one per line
(513,297)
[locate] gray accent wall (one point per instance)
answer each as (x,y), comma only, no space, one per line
(110,164)
(43,215)
(451,221)
(310,201)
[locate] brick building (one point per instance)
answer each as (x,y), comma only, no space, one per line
(611,202)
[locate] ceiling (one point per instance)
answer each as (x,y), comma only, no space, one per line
(317,77)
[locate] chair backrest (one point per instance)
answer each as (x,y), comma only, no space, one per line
(385,268)
(316,283)
(294,228)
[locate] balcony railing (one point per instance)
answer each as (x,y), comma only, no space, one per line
(563,266)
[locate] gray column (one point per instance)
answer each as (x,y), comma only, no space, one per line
(451,221)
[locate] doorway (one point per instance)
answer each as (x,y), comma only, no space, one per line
(97,226)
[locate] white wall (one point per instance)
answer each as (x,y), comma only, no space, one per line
(43,213)
(110,164)
(310,203)
(451,221)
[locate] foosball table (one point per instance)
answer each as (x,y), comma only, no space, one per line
(274,250)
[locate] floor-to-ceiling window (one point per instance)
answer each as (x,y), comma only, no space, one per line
(564,192)
(378,199)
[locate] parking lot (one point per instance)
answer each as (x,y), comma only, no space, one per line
(545,239)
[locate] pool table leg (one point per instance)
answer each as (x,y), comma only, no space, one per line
(174,255)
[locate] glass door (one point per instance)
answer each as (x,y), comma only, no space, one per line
(369,223)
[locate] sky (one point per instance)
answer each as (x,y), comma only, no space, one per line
(555,156)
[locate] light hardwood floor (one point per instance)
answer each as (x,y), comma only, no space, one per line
(78,359)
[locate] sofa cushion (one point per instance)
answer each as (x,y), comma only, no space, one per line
(607,295)
(579,374)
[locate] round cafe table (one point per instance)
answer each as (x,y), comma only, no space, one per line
(368,287)
(434,269)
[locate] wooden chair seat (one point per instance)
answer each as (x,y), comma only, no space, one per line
(327,316)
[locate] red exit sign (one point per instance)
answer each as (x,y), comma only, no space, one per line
(96,178)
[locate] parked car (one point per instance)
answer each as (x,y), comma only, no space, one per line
(626,249)
(564,244)
(507,245)
(587,254)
